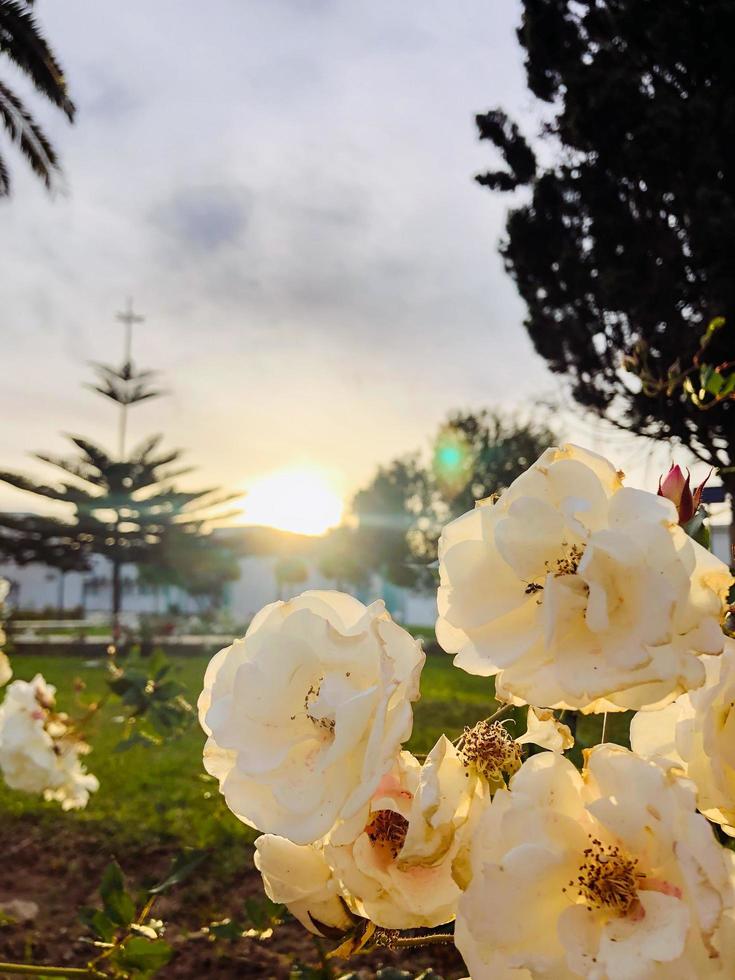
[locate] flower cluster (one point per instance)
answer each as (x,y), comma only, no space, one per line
(577,594)
(39,751)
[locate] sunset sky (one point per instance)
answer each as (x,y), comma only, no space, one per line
(285,188)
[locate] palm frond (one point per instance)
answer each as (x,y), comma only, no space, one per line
(22,42)
(25,132)
(4,179)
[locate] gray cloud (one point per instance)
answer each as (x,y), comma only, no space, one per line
(287,193)
(203,219)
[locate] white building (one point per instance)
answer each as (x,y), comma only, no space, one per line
(35,588)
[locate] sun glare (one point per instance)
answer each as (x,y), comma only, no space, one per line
(299,499)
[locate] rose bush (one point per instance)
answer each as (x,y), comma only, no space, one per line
(579,595)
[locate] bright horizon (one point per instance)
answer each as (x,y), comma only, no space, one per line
(302,499)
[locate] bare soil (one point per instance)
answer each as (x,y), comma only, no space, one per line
(60,869)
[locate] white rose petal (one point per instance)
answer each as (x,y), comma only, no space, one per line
(607,875)
(308,711)
(297,876)
(577,592)
(542,728)
(6,671)
(36,754)
(409,861)
(696,735)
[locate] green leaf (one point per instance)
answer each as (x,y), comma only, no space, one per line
(118,905)
(263,912)
(715,382)
(226,929)
(98,923)
(145,955)
(712,327)
(183,866)
(137,738)
(698,530)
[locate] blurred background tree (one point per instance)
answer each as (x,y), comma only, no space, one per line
(22,43)
(289,571)
(200,564)
(340,560)
(400,514)
(626,244)
(125,507)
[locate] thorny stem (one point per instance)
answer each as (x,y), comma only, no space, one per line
(504,710)
(326,965)
(434,939)
(145,912)
(39,970)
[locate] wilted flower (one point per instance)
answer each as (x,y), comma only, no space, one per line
(308,711)
(405,863)
(297,876)
(38,752)
(542,728)
(489,750)
(696,735)
(608,875)
(675,487)
(578,592)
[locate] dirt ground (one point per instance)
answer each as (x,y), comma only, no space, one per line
(61,871)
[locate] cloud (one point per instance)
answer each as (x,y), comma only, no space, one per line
(286,191)
(203,219)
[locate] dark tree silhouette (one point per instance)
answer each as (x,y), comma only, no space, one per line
(22,43)
(626,244)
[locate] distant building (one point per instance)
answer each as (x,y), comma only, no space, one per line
(35,588)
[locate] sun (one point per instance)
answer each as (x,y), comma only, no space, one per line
(299,499)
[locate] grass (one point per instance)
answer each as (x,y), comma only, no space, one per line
(162,793)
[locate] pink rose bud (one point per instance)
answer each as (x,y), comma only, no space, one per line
(675,487)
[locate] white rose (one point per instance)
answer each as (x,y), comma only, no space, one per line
(542,728)
(407,865)
(37,754)
(308,711)
(6,671)
(696,734)
(297,876)
(608,875)
(578,592)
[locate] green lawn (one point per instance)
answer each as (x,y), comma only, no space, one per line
(150,794)
(162,794)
